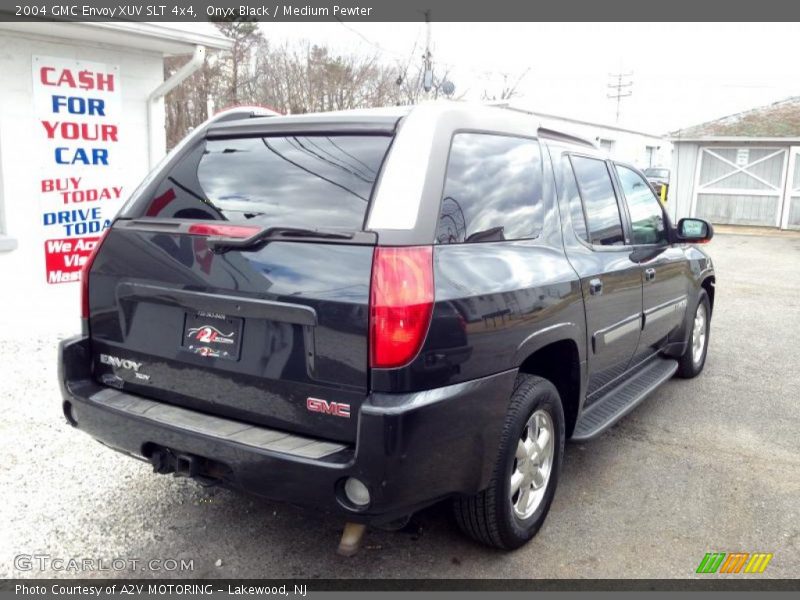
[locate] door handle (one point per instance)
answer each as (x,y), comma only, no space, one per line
(649,274)
(595,287)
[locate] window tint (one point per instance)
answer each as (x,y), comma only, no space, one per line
(295,181)
(493,190)
(570,191)
(647,216)
(597,193)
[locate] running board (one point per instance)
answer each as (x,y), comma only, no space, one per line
(622,399)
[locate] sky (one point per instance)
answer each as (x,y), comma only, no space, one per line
(683,73)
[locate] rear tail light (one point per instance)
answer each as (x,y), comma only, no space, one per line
(401,303)
(87,266)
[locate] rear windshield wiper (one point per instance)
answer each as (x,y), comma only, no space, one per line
(221,244)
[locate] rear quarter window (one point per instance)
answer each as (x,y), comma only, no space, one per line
(570,192)
(314,181)
(599,200)
(492,190)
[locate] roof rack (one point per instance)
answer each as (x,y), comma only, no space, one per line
(547,132)
(554,134)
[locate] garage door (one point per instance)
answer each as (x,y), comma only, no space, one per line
(741,185)
(791,208)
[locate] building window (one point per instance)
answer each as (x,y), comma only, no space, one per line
(650,155)
(605,144)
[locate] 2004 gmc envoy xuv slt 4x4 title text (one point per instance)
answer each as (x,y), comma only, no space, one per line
(367,312)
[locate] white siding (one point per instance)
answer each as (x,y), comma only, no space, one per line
(29,303)
(627,146)
(681,186)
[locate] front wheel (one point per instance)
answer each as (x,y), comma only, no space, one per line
(511,510)
(691,363)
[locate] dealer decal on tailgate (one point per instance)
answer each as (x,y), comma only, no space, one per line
(212,335)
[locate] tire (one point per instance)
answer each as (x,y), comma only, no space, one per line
(692,361)
(490,517)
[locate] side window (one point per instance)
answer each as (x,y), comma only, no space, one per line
(647,216)
(597,193)
(570,190)
(492,191)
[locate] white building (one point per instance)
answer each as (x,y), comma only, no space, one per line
(742,169)
(81,123)
(639,148)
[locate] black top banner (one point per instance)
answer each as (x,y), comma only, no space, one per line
(401,10)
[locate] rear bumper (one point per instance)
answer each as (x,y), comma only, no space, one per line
(411,449)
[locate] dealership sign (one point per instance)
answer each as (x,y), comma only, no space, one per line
(78,110)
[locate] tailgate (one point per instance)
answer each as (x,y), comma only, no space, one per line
(249,335)
(273,333)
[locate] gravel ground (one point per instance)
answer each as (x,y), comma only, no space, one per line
(711,464)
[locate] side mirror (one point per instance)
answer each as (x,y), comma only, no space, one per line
(695,231)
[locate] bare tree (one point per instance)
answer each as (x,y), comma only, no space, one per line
(187,105)
(507,91)
(305,77)
(292,78)
(237,66)
(226,79)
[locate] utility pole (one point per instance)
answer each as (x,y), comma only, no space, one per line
(427,72)
(621,87)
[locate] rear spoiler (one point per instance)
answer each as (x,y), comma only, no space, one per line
(304,124)
(241,112)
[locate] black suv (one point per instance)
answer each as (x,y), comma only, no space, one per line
(367,312)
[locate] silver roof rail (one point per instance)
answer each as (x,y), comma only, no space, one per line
(549,132)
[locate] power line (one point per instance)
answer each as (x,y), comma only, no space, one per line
(622,83)
(385,51)
(370,42)
(301,167)
(484,74)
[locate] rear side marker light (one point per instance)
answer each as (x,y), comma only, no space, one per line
(401,303)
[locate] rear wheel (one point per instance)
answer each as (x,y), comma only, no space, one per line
(691,363)
(512,509)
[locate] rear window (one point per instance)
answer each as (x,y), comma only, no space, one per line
(287,181)
(493,190)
